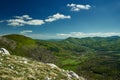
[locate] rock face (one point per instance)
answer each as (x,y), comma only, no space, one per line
(70,74)
(19,68)
(4,51)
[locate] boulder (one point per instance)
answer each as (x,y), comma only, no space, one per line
(4,51)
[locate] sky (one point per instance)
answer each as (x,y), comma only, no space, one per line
(59,19)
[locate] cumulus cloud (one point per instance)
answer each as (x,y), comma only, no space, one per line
(82,35)
(27,20)
(24,20)
(16,22)
(78,7)
(26,31)
(35,22)
(57,16)
(23,17)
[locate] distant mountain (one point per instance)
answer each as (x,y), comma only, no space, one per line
(91,57)
(98,43)
(115,37)
(54,40)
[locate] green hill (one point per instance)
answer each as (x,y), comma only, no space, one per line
(17,43)
(94,58)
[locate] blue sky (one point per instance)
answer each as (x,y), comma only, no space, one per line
(43,19)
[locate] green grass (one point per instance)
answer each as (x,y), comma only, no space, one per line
(20,68)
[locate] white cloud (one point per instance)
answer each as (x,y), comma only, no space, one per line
(16,22)
(35,22)
(78,7)
(26,31)
(57,16)
(24,20)
(23,17)
(27,20)
(82,35)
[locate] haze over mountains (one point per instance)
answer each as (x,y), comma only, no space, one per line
(92,57)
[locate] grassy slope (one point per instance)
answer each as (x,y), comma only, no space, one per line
(22,44)
(20,68)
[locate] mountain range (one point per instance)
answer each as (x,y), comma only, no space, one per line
(95,58)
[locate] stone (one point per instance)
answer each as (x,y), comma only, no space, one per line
(73,74)
(4,51)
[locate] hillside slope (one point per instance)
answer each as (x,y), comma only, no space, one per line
(20,68)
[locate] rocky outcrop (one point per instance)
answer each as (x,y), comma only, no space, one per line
(70,74)
(4,51)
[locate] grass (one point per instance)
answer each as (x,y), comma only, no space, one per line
(20,68)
